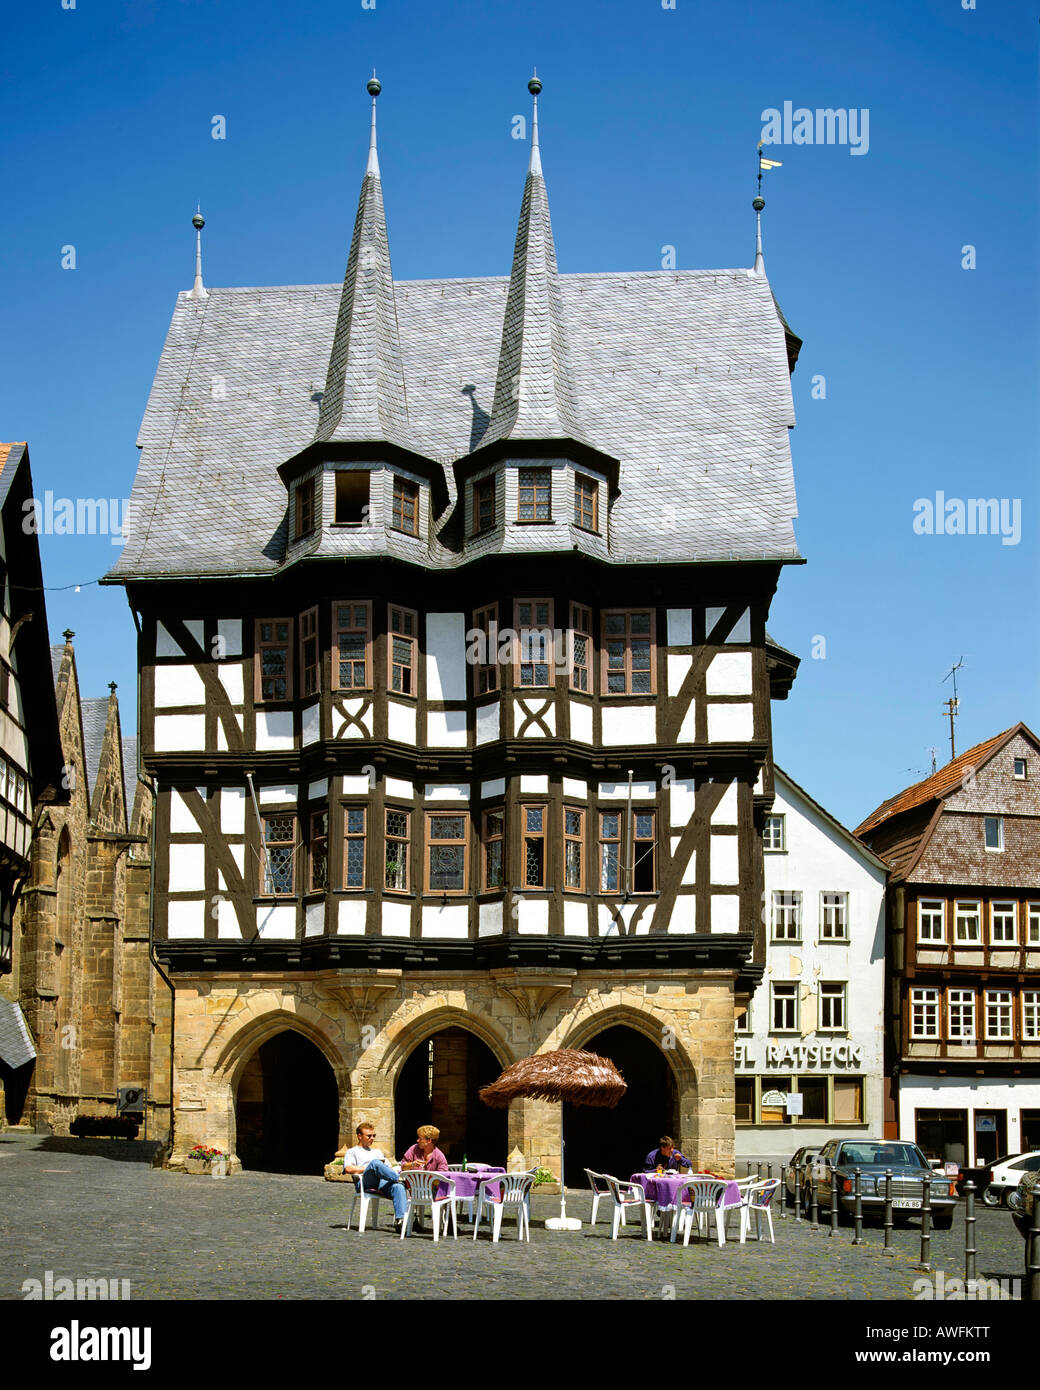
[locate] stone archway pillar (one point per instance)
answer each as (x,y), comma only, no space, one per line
(364,1107)
(534,1129)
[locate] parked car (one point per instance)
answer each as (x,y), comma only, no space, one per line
(802,1157)
(910,1169)
(1006,1174)
(979,1175)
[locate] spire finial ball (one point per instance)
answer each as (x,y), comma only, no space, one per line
(373,86)
(758,203)
(534,86)
(198,221)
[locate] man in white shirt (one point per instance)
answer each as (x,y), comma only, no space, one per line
(371,1169)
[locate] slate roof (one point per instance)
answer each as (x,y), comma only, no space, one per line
(94,714)
(680,375)
(130,775)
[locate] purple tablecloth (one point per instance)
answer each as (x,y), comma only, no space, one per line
(662,1188)
(467,1184)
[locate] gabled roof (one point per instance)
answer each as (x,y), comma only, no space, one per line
(857,847)
(940,783)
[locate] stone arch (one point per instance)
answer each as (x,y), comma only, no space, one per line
(649,1023)
(398,1049)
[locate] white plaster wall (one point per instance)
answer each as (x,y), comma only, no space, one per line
(178,685)
(310,724)
(403,791)
(186,919)
(731,723)
(222,742)
(354,708)
(317,790)
(445,656)
(725,812)
(397,919)
(678,667)
(274,729)
(175,733)
(981,1096)
(575,918)
(182,822)
(314,919)
(575,787)
(684,915)
(495,787)
(490,919)
(741,631)
(543,708)
(166,646)
(276,794)
(724,868)
(682,797)
(608,917)
(351,916)
(630,724)
(618,791)
(581,722)
(729,673)
(230,631)
(680,627)
(446,728)
(400,720)
(488,723)
(187,868)
(688,727)
(233,810)
(447,791)
(355,784)
(446,919)
(276,921)
(238,854)
(227,921)
(725,912)
(533,784)
(230,677)
(532,918)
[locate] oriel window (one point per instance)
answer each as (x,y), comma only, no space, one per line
(494,849)
(310,654)
(304,497)
(273,659)
(354,819)
(352,497)
(533,621)
(573,849)
(278,858)
(644,852)
(483,505)
(351,645)
(446,858)
(534,494)
(403,625)
(581,649)
(534,845)
(405,516)
(398,839)
(319,852)
(628,651)
(610,852)
(586,502)
(485,673)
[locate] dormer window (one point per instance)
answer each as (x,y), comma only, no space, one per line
(351,497)
(483,505)
(305,509)
(534,497)
(1021,769)
(586,502)
(405,515)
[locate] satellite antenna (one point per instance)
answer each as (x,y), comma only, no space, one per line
(953,705)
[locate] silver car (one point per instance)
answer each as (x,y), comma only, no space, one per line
(910,1169)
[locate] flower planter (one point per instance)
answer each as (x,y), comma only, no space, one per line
(334,1173)
(198,1166)
(546,1189)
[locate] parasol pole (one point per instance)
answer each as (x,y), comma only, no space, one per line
(563,1222)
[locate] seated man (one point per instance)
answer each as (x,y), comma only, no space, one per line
(371,1169)
(666,1155)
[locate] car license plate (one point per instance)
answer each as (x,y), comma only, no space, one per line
(914,1202)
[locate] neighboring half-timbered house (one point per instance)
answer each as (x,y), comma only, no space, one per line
(963,956)
(456,686)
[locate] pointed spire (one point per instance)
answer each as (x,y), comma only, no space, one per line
(534,392)
(198,290)
(364,397)
(758,203)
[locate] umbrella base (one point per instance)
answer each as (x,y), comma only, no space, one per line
(563,1223)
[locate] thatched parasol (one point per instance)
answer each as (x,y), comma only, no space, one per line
(580,1078)
(577,1077)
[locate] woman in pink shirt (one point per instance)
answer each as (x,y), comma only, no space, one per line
(424,1153)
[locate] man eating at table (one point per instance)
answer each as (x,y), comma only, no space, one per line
(666,1155)
(370,1168)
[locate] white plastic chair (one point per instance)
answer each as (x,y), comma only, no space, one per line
(366,1199)
(706,1197)
(514,1189)
(629,1196)
(599,1182)
(424,1189)
(756,1203)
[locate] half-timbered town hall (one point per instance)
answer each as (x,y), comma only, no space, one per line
(455,684)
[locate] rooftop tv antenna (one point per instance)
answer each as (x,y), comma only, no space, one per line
(953,705)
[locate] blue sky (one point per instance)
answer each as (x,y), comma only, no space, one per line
(649,118)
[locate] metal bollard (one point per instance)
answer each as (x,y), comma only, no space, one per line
(857,1237)
(758,1172)
(1032,1292)
(926,1225)
(814,1224)
(797,1169)
(834,1202)
(769,1172)
(783,1191)
(887,1248)
(969,1233)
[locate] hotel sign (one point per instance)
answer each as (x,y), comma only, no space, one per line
(801,1055)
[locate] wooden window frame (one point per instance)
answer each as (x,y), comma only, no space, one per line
(486,679)
(841,910)
(538,836)
(405,493)
(308,632)
(1022,776)
(265,844)
(997,821)
(317,838)
(637,858)
(259,647)
(354,836)
(339,630)
(487,839)
(796,905)
(1002,999)
(536,479)
(840,995)
(574,838)
(969,1004)
(781,848)
(1004,941)
(581,626)
(618,840)
(339,499)
(628,638)
(428,844)
(939,940)
(484,489)
(1033,924)
(405,839)
(1031,1015)
(582,484)
(305,496)
(789,993)
(520,629)
(958,940)
(392,636)
(928,1000)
